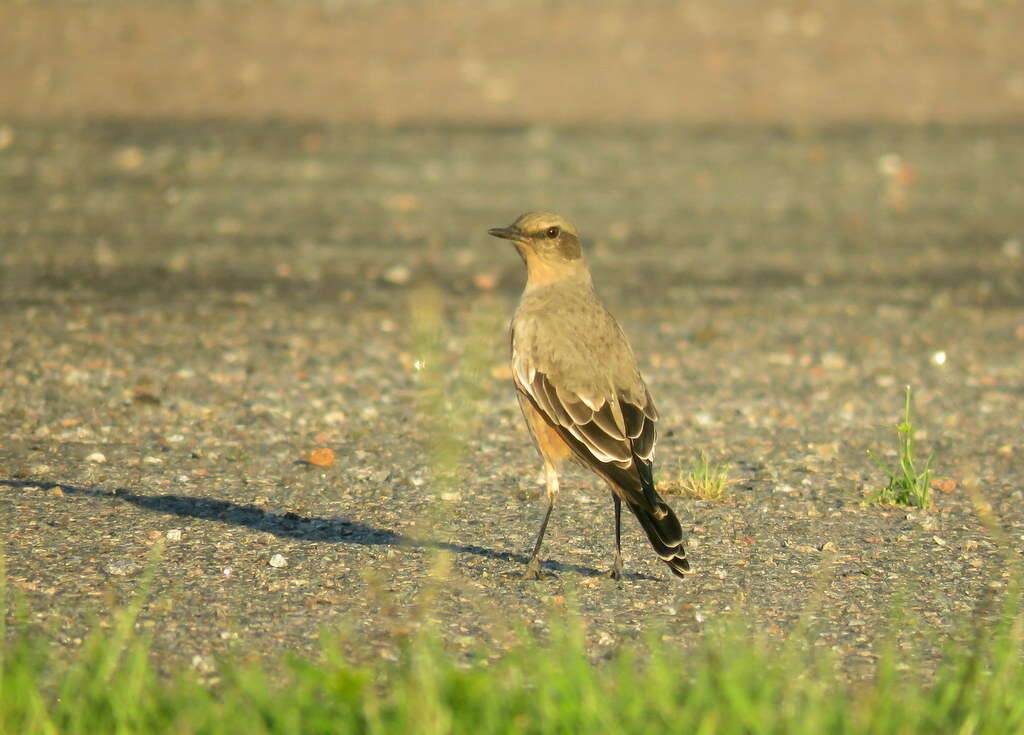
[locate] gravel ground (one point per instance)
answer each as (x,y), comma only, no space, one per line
(189,309)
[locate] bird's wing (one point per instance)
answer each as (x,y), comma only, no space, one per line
(614,424)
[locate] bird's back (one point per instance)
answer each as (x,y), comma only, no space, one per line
(563,330)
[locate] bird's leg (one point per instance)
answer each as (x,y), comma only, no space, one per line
(616,571)
(551,480)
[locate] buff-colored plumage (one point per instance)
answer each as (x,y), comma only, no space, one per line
(579,386)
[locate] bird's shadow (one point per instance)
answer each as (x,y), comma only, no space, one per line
(294,526)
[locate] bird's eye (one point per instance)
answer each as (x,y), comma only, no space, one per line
(553,232)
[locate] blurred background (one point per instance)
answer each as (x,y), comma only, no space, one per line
(504,61)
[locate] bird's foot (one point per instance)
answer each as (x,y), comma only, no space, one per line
(616,571)
(532,569)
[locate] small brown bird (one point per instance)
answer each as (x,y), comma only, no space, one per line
(579,387)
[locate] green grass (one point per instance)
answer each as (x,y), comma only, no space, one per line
(908,484)
(730,681)
(703,479)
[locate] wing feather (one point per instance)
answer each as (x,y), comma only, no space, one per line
(617,428)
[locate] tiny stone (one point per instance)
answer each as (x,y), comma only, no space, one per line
(399,274)
(120,568)
(833,361)
(129,158)
(278,561)
(336,417)
(96,457)
(203,664)
(174,534)
(827,546)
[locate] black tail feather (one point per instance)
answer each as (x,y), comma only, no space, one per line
(665,534)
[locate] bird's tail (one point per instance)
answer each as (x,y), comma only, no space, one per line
(664,532)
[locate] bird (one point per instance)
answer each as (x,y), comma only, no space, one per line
(579,387)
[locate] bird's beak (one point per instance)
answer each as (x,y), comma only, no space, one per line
(506,233)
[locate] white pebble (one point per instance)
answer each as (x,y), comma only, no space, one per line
(398,274)
(174,534)
(703,419)
(278,561)
(120,568)
(96,457)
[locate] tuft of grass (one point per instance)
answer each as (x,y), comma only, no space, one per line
(704,480)
(908,485)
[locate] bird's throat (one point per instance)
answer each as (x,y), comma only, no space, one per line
(541,271)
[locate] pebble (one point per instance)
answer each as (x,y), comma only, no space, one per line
(278,561)
(120,567)
(833,361)
(174,534)
(203,664)
(703,419)
(96,457)
(398,275)
(129,158)
(336,417)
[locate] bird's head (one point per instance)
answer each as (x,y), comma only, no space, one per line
(548,243)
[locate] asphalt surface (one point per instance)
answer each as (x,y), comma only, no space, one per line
(187,310)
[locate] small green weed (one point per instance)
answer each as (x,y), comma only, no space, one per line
(703,480)
(907,485)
